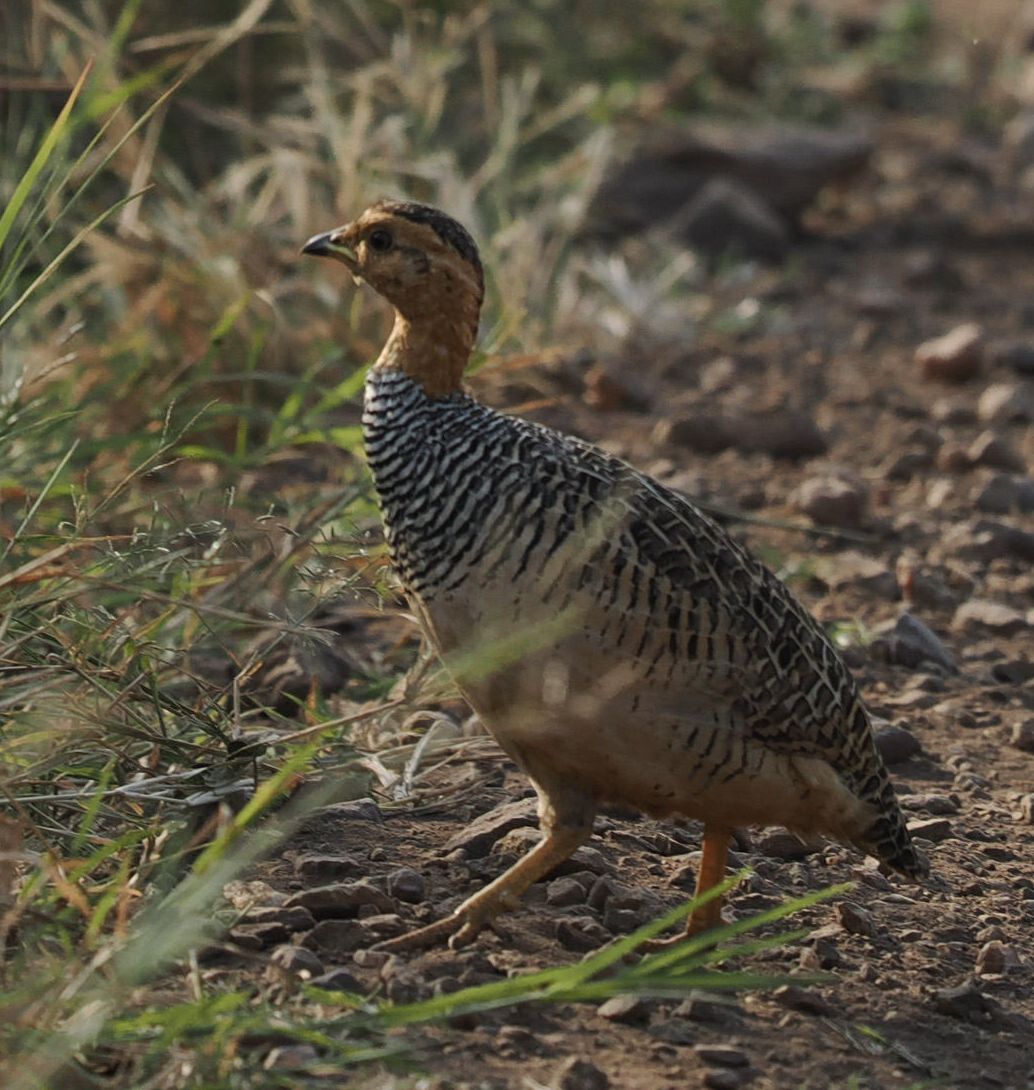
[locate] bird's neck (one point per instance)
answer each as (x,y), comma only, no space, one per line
(433,349)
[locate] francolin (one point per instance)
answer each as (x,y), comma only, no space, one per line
(617,643)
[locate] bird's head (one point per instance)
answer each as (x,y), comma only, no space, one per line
(417,257)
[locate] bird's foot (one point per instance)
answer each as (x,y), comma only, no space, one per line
(703,920)
(458,929)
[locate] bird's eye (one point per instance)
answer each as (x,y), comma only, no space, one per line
(381,241)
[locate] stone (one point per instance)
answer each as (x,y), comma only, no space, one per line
(896,744)
(342,899)
(967,1003)
(406,884)
(727,216)
(1013,671)
(293,917)
(953,357)
(996,957)
(704,433)
(783,433)
(1022,735)
(831,501)
(856,571)
(258,936)
(337,980)
(562,892)
(581,934)
(980,614)
(937,805)
(722,1055)
(578,1074)
(1027,809)
(990,449)
(723,1078)
(911,642)
(320,870)
(247,895)
(625,1009)
(479,836)
(356,810)
(296,959)
(854,919)
(701,1006)
(782,844)
(804,1000)
(1006,403)
(933,829)
(333,938)
(672,1031)
(1004,494)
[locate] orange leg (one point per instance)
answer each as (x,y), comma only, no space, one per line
(501,895)
(713,862)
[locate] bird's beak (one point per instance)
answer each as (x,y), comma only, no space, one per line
(332,244)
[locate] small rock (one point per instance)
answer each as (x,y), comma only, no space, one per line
(704,433)
(989,540)
(950,410)
(783,433)
(722,1055)
(727,216)
(830,501)
(910,643)
(562,892)
(356,810)
(855,920)
(1027,809)
(333,938)
(1013,671)
(578,1074)
(724,1078)
(1006,403)
(1022,735)
(995,957)
(700,1006)
(937,805)
(343,899)
(990,449)
(856,571)
(290,1057)
(258,936)
(934,829)
(1004,493)
(581,934)
(406,884)
(954,357)
(626,1009)
(293,917)
(247,895)
(980,613)
(906,465)
(782,844)
(297,960)
(479,836)
(385,925)
(321,870)
(337,980)
(967,1003)
(896,744)
(796,998)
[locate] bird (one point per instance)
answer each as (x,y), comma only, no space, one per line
(616,642)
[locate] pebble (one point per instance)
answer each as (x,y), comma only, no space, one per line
(700,1006)
(911,642)
(896,744)
(296,959)
(332,938)
(581,934)
(337,980)
(722,1055)
(479,836)
(990,449)
(563,892)
(1027,809)
(293,917)
(578,1074)
(954,357)
(967,1003)
(831,501)
(406,884)
(246,895)
(672,1031)
(796,998)
(934,829)
(356,810)
(981,613)
(625,1009)
(1022,736)
(257,936)
(991,958)
(343,899)
(321,870)
(1006,403)
(1005,493)
(703,433)
(727,215)
(855,920)
(724,1078)
(782,844)
(937,805)
(1013,671)
(783,433)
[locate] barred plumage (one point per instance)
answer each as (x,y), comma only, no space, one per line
(616,642)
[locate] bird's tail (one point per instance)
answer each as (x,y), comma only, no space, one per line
(889,840)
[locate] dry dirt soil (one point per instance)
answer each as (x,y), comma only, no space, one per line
(925,483)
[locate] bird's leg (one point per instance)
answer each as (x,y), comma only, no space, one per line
(501,895)
(714,859)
